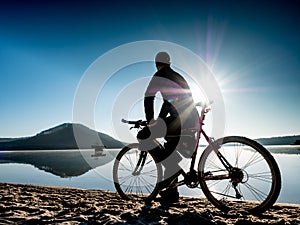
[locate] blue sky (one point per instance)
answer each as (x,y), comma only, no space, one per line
(252,47)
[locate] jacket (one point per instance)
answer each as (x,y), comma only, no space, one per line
(177,97)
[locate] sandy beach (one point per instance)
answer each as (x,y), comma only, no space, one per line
(29,204)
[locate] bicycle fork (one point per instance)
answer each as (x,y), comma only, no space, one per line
(140,164)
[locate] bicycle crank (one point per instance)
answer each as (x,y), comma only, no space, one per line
(191,179)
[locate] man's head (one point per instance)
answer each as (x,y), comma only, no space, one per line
(162,59)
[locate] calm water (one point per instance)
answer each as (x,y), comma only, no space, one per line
(84,169)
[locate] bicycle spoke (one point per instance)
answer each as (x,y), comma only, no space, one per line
(126,178)
(214,183)
(212,164)
(224,193)
(149,159)
(139,187)
(255,158)
(150,171)
(125,170)
(146,186)
(129,160)
(264,176)
(259,195)
(238,153)
(129,187)
(227,190)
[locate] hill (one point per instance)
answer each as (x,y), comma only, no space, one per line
(284,140)
(62,137)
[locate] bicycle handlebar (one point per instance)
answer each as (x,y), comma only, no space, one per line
(137,123)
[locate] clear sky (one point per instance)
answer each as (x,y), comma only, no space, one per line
(252,47)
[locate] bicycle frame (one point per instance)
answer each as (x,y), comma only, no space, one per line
(209,140)
(199,127)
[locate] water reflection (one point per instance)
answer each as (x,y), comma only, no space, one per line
(62,163)
(284,149)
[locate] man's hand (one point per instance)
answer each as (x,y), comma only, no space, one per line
(152,123)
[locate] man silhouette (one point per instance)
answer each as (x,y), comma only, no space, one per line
(177,114)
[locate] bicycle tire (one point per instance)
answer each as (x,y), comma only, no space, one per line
(141,187)
(267,179)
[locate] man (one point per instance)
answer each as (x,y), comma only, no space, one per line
(177,113)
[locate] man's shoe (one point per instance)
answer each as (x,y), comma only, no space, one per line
(169,196)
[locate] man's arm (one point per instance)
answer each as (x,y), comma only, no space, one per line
(149,108)
(150,93)
(165,109)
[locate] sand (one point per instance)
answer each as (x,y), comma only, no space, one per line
(29,204)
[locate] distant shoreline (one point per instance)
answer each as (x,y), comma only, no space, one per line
(275,149)
(66,136)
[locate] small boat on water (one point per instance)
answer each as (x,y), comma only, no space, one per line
(98,150)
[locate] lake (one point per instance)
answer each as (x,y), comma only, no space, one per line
(85,169)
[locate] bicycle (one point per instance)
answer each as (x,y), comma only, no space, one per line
(231,171)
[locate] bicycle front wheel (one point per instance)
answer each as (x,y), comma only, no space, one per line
(252,183)
(136,174)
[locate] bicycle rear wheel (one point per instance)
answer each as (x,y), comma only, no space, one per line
(136,174)
(254,182)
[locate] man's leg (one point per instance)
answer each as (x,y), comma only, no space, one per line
(172,159)
(171,167)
